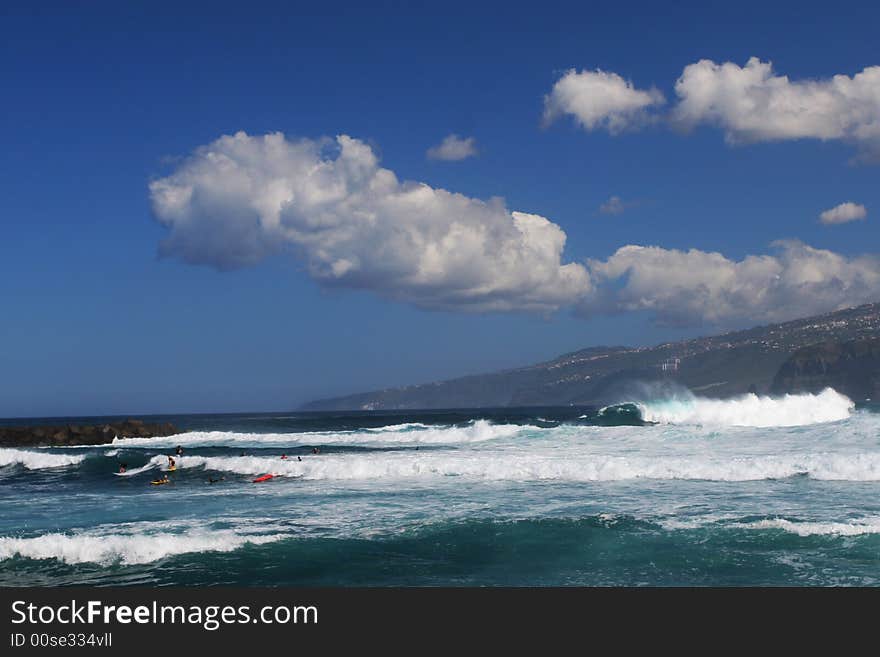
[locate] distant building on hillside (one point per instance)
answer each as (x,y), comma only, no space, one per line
(670,364)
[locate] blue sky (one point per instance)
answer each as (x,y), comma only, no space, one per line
(102,99)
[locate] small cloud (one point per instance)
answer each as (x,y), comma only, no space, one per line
(613,205)
(600,100)
(616,205)
(453,148)
(843,213)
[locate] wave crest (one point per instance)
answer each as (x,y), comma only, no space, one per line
(410,433)
(517,467)
(37,460)
(858,527)
(750,410)
(125,548)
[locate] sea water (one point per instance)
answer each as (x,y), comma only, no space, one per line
(687,491)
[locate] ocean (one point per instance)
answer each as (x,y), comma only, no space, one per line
(679,491)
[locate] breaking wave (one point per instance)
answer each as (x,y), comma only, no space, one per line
(750,410)
(411,433)
(37,460)
(126,548)
(857,527)
(616,415)
(400,427)
(518,467)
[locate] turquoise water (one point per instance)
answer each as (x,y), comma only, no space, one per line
(509,497)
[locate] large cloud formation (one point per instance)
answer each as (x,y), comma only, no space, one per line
(600,99)
(692,287)
(242,198)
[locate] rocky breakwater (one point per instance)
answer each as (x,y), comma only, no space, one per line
(78,434)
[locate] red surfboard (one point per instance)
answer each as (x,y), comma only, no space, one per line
(266,477)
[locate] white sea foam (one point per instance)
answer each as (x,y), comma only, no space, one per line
(853,527)
(857,527)
(37,460)
(126,548)
(501,466)
(400,427)
(411,433)
(750,410)
(155,462)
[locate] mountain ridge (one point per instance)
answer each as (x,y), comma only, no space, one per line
(721,365)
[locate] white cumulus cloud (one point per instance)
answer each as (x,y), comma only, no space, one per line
(600,99)
(328,203)
(752,104)
(693,287)
(843,213)
(453,148)
(241,198)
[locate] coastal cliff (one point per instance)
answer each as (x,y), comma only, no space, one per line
(851,368)
(71,434)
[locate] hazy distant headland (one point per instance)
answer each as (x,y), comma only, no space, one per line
(840,349)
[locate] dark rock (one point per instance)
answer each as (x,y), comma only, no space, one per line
(45,436)
(851,368)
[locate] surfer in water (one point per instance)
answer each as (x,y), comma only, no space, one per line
(179,450)
(122,468)
(315,450)
(284,457)
(171,463)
